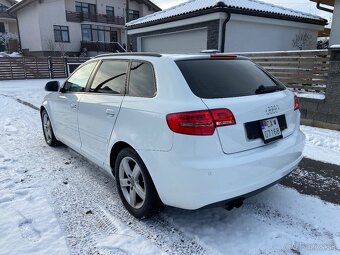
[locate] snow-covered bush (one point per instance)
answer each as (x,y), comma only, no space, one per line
(4,40)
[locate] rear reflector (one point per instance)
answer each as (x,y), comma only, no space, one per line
(200,122)
(296,103)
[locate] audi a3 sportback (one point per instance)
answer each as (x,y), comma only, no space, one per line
(181,130)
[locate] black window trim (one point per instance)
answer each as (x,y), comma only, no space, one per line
(94,73)
(154,78)
(113,10)
(88,7)
(92,28)
(127,81)
(55,27)
(61,90)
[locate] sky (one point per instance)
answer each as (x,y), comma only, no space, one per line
(299,5)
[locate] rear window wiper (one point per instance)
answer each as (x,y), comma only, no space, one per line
(262,89)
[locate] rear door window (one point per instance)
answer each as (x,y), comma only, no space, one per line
(110,77)
(142,80)
(225,78)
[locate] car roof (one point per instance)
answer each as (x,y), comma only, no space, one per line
(174,57)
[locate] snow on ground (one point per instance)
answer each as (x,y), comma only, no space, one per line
(313,95)
(322,144)
(53,201)
(12,55)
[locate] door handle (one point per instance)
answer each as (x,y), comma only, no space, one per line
(73,106)
(110,112)
(62,97)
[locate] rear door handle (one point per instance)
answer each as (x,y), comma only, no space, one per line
(62,97)
(110,112)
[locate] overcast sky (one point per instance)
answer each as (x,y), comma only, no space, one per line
(300,5)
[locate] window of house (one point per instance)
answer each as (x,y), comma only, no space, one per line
(78,80)
(2,27)
(133,15)
(86,8)
(110,77)
(110,11)
(61,34)
(97,33)
(142,80)
(3,8)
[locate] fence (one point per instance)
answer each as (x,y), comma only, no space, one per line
(37,68)
(307,70)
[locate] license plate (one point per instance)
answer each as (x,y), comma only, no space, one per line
(271,130)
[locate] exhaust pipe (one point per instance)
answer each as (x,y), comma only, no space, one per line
(235,203)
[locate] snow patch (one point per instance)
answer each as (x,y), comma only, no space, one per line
(322,144)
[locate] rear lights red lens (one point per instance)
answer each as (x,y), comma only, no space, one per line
(296,103)
(200,122)
(223,117)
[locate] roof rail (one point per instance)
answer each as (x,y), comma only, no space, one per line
(147,54)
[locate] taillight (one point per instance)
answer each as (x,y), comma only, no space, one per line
(223,117)
(296,103)
(200,122)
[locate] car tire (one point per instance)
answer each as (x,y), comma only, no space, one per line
(135,186)
(48,130)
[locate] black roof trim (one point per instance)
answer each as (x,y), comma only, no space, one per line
(145,54)
(231,10)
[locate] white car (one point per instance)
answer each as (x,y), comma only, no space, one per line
(187,131)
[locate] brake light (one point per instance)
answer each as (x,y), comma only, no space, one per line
(296,103)
(223,56)
(200,122)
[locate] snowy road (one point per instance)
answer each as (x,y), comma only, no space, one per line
(53,201)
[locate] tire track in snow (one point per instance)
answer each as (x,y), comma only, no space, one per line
(97,190)
(76,187)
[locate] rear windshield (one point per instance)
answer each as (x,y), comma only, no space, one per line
(226,78)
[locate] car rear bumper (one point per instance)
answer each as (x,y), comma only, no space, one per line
(191,184)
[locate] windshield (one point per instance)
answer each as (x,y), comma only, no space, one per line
(226,78)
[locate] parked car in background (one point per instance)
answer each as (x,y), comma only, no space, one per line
(181,130)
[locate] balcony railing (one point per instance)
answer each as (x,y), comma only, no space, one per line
(100,18)
(102,46)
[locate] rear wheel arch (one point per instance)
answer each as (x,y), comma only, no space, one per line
(116,148)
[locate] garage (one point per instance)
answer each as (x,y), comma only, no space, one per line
(188,41)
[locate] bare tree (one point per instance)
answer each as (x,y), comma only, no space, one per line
(61,48)
(303,40)
(51,46)
(57,49)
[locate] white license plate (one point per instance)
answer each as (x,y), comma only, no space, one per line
(271,130)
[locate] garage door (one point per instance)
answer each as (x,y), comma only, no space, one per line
(190,41)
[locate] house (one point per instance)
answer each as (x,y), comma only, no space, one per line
(334,32)
(8,23)
(228,25)
(48,27)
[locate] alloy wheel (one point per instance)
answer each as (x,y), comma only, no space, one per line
(132,182)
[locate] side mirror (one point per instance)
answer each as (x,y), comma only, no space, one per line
(52,86)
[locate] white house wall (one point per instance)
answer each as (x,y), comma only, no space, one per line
(249,33)
(29,27)
(52,13)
